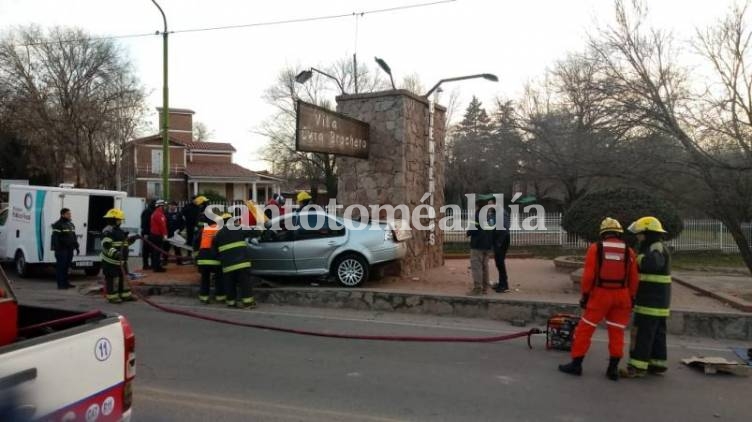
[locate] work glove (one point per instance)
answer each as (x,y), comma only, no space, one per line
(583,300)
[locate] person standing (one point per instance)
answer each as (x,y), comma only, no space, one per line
(652,305)
(191,213)
(114,255)
(145,231)
(502,241)
(482,236)
(233,253)
(609,284)
(64,242)
(208,264)
(175,224)
(158,235)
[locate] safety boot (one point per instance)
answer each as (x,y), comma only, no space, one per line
(612,372)
(203,299)
(632,372)
(573,368)
(114,299)
(248,303)
(657,369)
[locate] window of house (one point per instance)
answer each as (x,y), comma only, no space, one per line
(153,189)
(156,161)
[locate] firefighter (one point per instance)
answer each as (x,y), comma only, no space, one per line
(114,246)
(609,282)
(208,264)
(303,199)
(233,253)
(647,353)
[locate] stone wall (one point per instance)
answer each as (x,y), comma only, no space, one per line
(396,171)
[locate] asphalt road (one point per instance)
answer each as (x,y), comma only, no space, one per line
(193,370)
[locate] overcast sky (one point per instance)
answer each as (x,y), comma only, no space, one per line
(222,74)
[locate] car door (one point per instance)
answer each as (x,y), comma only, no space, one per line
(272,253)
(316,239)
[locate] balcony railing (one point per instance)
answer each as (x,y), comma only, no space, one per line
(147,170)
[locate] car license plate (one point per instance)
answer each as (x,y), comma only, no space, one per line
(84,264)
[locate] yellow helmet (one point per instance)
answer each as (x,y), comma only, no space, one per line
(115,213)
(610,225)
(200,199)
(226,216)
(649,224)
(303,196)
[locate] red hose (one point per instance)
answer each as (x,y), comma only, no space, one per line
(429,339)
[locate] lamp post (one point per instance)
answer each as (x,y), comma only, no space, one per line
(385,67)
(488,76)
(305,75)
(165,113)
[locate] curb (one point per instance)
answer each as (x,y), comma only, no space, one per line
(730,326)
(732,301)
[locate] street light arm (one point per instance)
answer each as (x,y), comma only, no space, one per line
(164,18)
(339,84)
(488,76)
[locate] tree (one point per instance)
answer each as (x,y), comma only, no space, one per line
(72,99)
(643,91)
(625,205)
(201,132)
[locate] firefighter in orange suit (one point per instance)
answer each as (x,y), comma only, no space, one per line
(208,264)
(609,285)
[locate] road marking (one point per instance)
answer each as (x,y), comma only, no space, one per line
(251,407)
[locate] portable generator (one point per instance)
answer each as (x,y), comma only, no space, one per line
(560,331)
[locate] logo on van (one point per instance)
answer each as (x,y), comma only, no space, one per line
(28,201)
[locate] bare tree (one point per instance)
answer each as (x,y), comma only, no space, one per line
(643,91)
(201,132)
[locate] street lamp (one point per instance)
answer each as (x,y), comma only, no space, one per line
(385,67)
(305,75)
(165,113)
(488,76)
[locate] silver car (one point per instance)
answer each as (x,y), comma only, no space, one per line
(316,244)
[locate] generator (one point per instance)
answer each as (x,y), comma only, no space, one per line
(560,331)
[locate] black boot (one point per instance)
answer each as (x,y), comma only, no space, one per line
(612,372)
(574,367)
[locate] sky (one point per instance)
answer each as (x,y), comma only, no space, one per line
(222,75)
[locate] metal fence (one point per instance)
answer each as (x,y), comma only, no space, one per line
(698,235)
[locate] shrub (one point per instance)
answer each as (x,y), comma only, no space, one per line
(213,196)
(584,216)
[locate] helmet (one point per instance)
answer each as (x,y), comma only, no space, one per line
(115,213)
(226,216)
(303,196)
(610,225)
(159,203)
(646,224)
(200,200)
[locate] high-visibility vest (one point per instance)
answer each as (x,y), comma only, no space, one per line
(613,262)
(207,236)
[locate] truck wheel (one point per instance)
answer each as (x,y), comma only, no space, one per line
(350,270)
(93,271)
(22,267)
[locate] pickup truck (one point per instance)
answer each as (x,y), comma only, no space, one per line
(60,365)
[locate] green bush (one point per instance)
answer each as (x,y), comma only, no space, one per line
(584,216)
(213,196)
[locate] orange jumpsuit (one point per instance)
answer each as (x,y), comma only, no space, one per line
(610,282)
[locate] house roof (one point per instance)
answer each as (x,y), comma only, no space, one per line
(204,146)
(219,170)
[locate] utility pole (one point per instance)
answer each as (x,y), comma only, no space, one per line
(165,114)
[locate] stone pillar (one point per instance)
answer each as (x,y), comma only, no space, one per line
(396,171)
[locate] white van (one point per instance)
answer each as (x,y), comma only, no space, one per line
(26,224)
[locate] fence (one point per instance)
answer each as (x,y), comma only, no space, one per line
(698,235)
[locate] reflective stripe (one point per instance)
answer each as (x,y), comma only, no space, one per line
(656,312)
(232,268)
(618,245)
(613,324)
(659,363)
(116,244)
(110,260)
(107,239)
(126,293)
(230,303)
(588,322)
(112,296)
(62,230)
(655,278)
(248,300)
(204,298)
(208,262)
(639,364)
(232,245)
(220,298)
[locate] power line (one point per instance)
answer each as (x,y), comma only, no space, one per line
(249,25)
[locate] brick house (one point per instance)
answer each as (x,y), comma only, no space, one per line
(195,167)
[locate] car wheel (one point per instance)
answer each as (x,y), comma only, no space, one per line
(22,267)
(350,270)
(93,271)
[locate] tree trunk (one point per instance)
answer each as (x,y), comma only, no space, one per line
(735,228)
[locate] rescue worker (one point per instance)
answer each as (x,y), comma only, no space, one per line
(175,223)
(158,235)
(114,245)
(647,352)
(208,264)
(233,253)
(191,213)
(64,242)
(609,284)
(303,199)
(145,231)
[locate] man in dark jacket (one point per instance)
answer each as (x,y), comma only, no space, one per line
(145,231)
(502,241)
(482,238)
(64,242)
(175,223)
(230,248)
(191,214)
